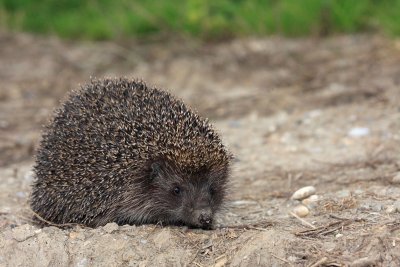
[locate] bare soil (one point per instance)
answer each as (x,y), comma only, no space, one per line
(321,112)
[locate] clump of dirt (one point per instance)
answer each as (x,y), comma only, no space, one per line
(320,112)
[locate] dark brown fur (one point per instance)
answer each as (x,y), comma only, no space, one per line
(119,151)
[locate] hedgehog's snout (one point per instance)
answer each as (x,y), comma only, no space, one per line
(204,218)
(205,221)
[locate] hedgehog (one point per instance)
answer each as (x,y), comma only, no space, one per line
(120,151)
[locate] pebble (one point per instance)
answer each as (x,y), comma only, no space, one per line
(243,202)
(390,209)
(311,201)
(301,211)
(396,178)
(358,132)
(304,192)
(110,227)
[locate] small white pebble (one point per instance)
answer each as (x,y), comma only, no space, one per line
(311,201)
(358,132)
(303,192)
(338,235)
(38,231)
(301,211)
(390,209)
(243,202)
(396,178)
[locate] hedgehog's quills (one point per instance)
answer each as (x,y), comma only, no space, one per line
(119,151)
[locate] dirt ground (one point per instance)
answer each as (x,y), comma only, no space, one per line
(320,112)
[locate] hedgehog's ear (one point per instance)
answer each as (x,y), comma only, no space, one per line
(155,170)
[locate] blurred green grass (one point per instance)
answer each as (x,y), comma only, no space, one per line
(204,19)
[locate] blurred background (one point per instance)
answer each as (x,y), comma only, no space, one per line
(203,19)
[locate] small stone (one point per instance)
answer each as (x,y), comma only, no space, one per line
(243,202)
(38,231)
(304,192)
(110,227)
(23,232)
(338,235)
(301,211)
(396,178)
(311,201)
(358,132)
(390,209)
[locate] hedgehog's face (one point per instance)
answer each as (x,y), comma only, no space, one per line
(188,198)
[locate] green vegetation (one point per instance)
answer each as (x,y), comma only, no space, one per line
(207,19)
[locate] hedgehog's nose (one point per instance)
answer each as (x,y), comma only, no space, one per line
(205,220)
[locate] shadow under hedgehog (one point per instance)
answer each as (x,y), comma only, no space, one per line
(120,151)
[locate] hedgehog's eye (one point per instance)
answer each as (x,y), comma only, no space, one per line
(177,191)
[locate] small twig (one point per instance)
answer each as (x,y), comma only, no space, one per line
(258,228)
(319,262)
(323,230)
(337,217)
(279,258)
(346,219)
(197,264)
(302,220)
(55,224)
(195,256)
(255,226)
(332,230)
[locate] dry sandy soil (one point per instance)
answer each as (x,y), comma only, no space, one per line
(321,112)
